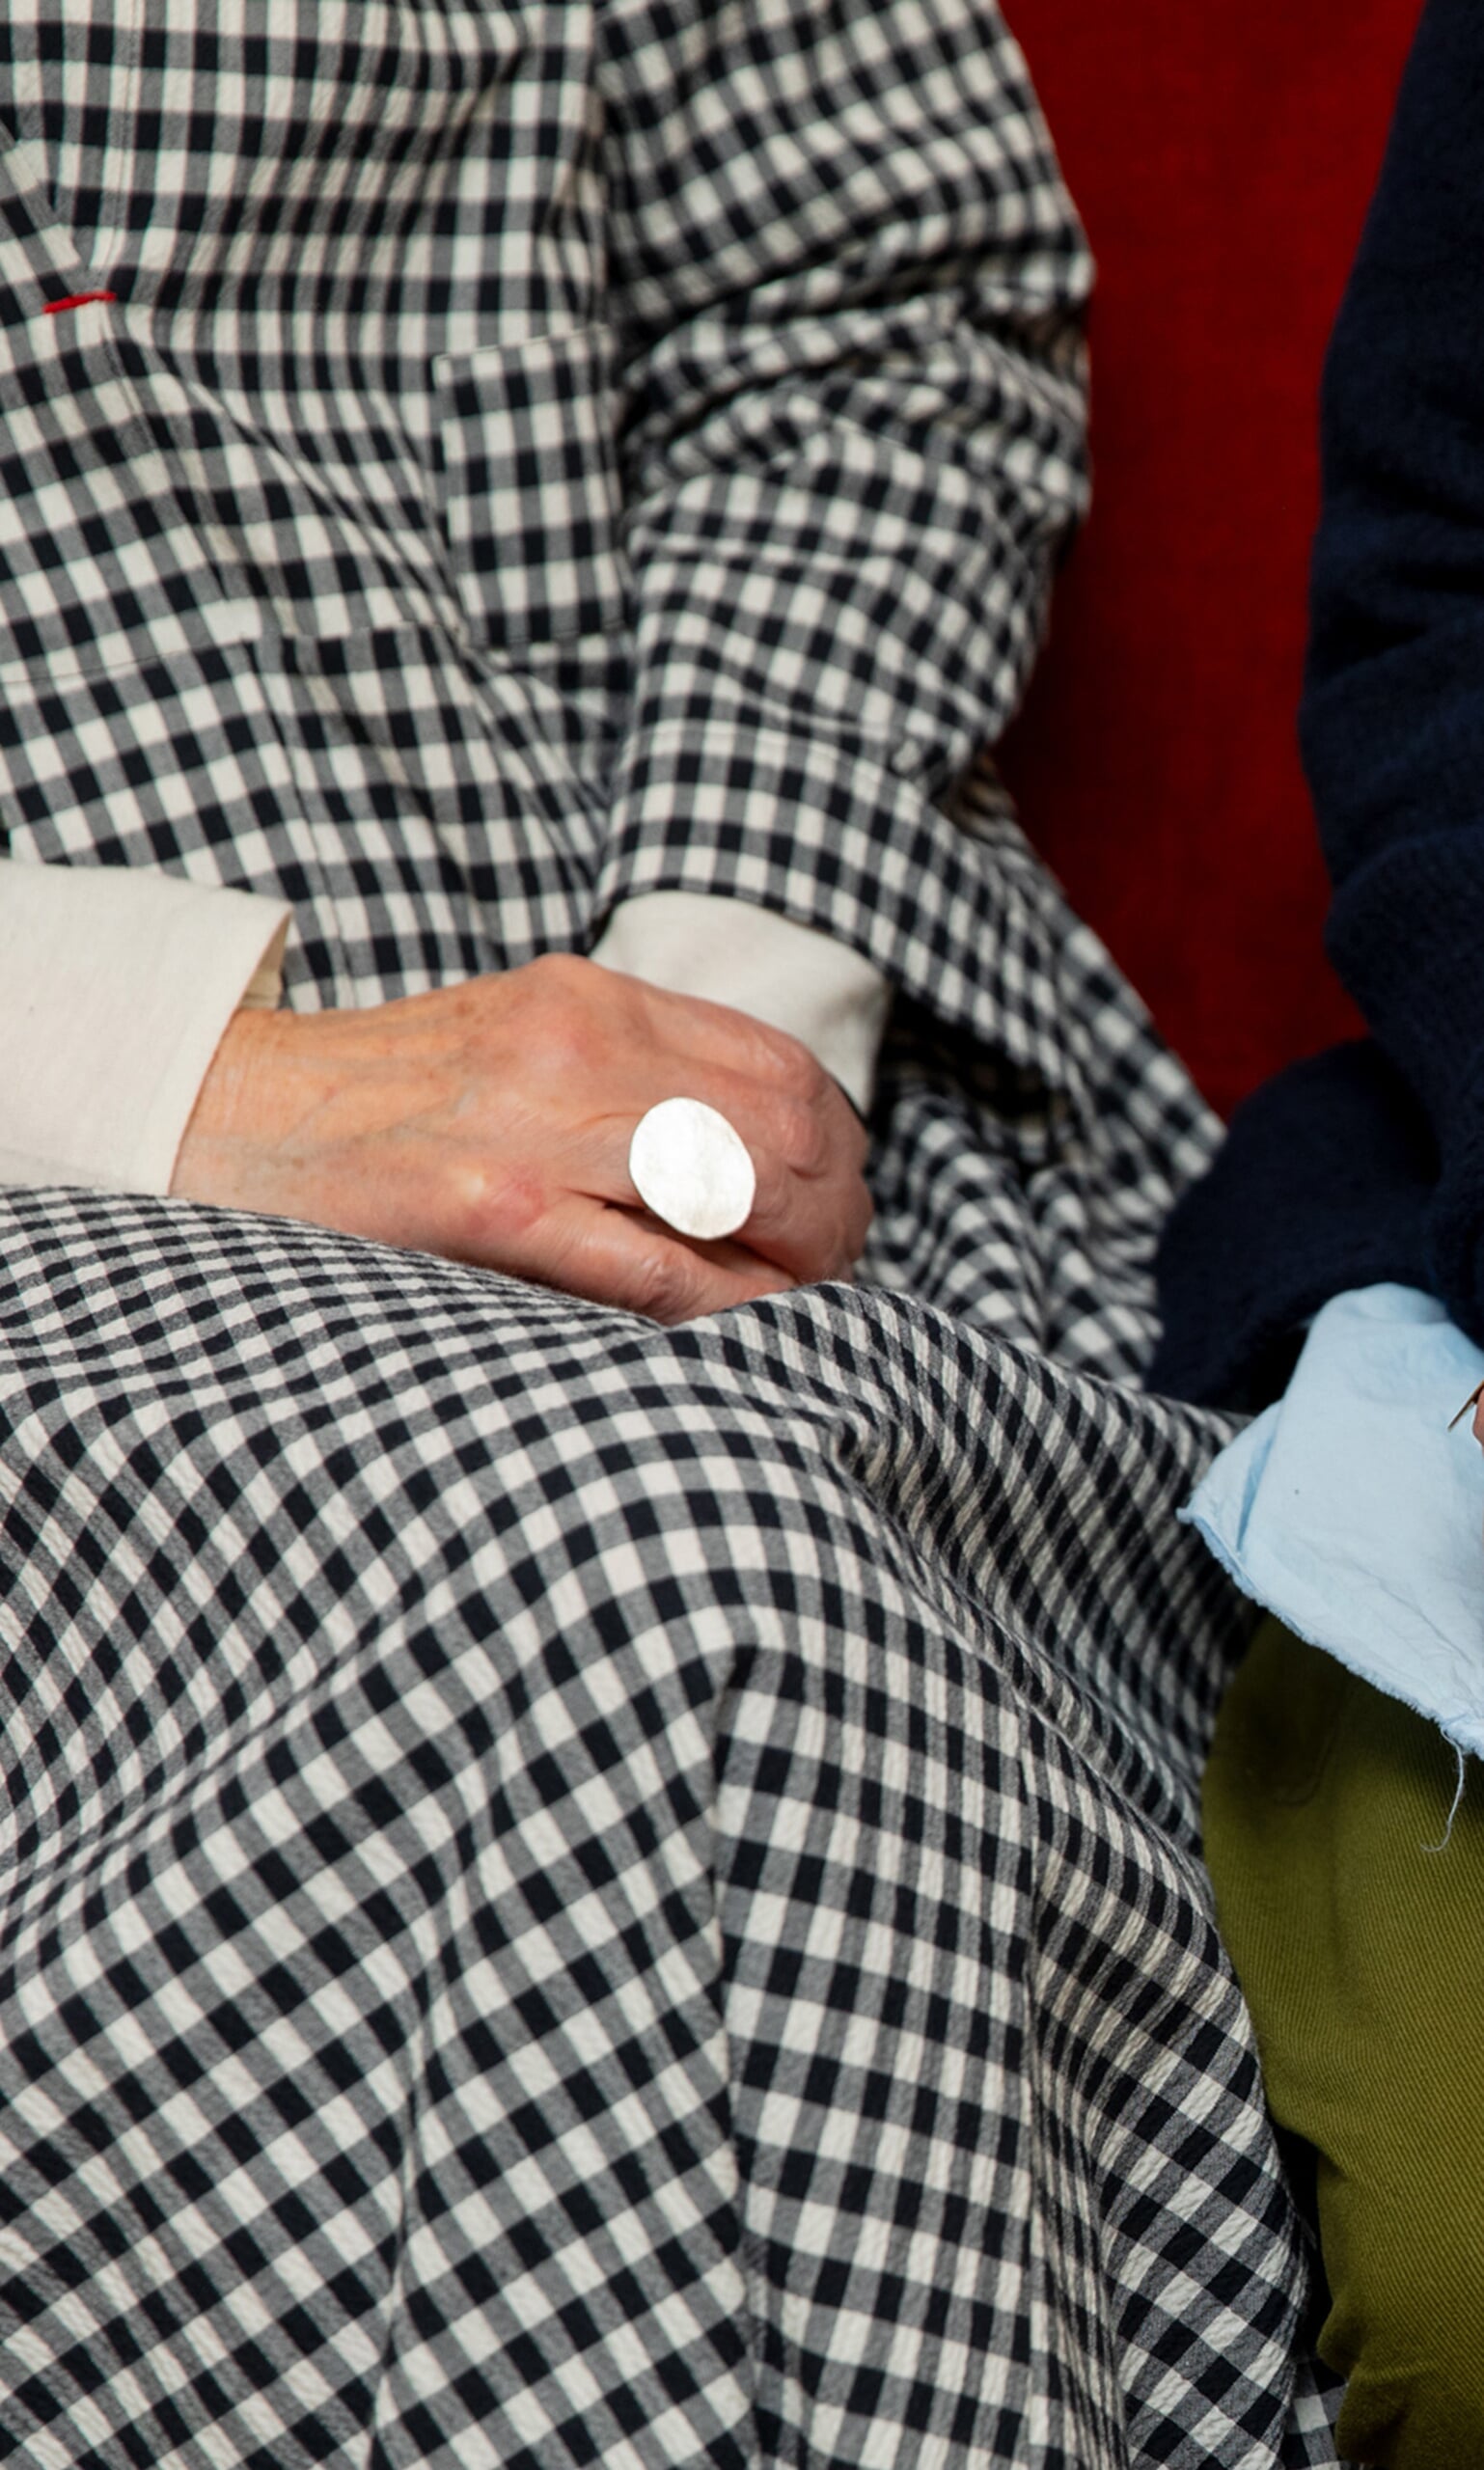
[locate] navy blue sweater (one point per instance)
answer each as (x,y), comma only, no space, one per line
(1368,1162)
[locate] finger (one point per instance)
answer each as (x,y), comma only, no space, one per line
(694,1031)
(814,1223)
(764,1068)
(813,1208)
(810,1212)
(615,1256)
(807,1143)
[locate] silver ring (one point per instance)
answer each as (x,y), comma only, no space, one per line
(691,1167)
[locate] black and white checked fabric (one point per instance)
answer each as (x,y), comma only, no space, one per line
(535,455)
(573,1893)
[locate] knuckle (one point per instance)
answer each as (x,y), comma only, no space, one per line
(557,969)
(491,1207)
(464,1198)
(804,1077)
(781,1060)
(663,1287)
(564,1033)
(555,981)
(799,1135)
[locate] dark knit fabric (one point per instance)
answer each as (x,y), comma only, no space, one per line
(1368,1162)
(1324,1182)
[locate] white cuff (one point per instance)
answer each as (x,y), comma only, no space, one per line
(116,984)
(791,976)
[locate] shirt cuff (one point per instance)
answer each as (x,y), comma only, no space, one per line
(116,985)
(823,993)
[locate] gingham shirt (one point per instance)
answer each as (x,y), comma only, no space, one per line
(573,1891)
(717,446)
(118,988)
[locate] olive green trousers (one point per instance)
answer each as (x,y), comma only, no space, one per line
(1354,1916)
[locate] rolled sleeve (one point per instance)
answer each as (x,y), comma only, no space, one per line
(821,992)
(847,282)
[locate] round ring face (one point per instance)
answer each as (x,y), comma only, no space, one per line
(692,1169)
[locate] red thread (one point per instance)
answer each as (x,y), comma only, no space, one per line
(77,300)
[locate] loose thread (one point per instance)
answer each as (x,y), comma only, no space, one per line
(1458,1800)
(80,300)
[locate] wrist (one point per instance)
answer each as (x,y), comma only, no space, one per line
(229,1098)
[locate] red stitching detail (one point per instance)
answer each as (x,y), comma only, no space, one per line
(75,300)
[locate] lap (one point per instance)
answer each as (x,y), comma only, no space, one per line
(569,1883)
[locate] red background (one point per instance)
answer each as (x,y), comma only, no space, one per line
(1222,158)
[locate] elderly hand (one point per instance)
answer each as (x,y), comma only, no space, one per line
(491,1121)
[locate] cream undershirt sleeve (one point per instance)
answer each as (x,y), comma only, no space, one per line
(793,977)
(116,984)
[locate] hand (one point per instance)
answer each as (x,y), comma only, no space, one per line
(490,1122)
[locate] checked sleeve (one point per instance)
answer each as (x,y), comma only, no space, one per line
(1393,716)
(847,281)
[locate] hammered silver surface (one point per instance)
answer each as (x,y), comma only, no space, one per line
(691,1168)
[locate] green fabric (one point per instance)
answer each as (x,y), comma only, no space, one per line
(1360,1951)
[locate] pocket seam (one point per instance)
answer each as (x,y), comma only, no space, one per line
(496,434)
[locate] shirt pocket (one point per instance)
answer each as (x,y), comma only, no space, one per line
(531,486)
(101,563)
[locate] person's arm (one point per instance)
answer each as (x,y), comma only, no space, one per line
(489,1122)
(1393,710)
(1366,1163)
(856,441)
(846,282)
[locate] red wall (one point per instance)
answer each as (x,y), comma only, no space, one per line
(1222,158)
